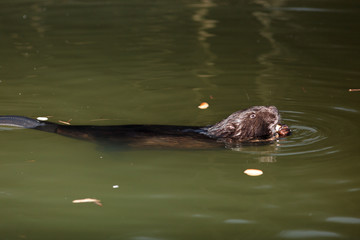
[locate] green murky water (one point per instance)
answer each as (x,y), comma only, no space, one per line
(153,62)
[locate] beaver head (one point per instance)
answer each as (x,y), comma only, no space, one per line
(255,123)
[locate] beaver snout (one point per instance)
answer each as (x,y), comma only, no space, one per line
(283,130)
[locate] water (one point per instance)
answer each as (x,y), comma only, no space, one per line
(153,62)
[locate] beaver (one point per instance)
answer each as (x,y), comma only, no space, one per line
(257,124)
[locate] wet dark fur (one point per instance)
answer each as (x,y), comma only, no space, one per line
(255,124)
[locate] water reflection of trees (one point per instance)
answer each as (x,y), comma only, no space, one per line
(269,12)
(206,68)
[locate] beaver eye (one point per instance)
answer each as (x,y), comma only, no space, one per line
(252,115)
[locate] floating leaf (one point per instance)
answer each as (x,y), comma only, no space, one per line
(253,172)
(203,105)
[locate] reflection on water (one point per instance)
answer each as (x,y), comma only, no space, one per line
(36,18)
(200,16)
(270,12)
(265,153)
(206,68)
(266,18)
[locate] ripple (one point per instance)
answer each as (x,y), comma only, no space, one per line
(346,220)
(345,109)
(316,131)
(307,234)
(239,221)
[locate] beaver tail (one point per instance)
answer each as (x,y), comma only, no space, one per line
(25,122)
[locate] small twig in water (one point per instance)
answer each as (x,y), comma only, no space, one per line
(63,122)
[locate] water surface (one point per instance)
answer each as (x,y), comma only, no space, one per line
(153,62)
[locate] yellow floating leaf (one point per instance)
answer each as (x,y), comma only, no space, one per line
(203,105)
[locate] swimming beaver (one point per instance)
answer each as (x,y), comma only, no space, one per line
(253,125)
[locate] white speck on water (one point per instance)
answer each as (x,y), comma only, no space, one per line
(42,118)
